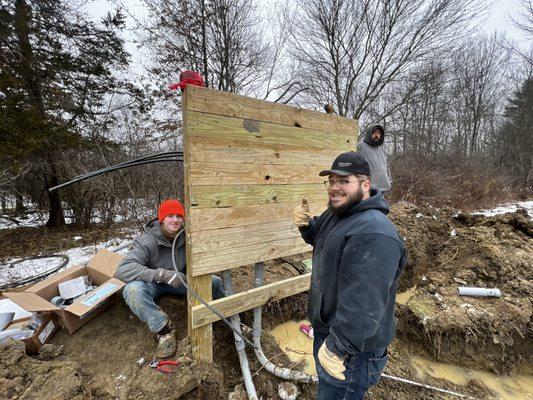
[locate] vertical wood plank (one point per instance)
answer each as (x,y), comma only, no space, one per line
(201,338)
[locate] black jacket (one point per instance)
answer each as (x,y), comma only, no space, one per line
(357,260)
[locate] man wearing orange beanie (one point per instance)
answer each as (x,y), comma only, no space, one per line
(149,273)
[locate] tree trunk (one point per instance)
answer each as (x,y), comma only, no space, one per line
(56,216)
(204,45)
(19,203)
(33,88)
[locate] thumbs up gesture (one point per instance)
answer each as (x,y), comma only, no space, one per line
(301,214)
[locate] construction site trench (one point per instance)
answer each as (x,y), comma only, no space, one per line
(108,358)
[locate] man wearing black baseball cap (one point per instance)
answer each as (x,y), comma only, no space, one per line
(358,257)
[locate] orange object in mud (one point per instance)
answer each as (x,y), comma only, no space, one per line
(160,366)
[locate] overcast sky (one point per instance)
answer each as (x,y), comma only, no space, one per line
(498,19)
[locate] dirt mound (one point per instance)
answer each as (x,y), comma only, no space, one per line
(448,250)
(108,358)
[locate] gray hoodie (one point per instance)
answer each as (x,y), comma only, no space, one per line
(377,159)
(150,251)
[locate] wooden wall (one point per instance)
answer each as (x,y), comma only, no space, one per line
(248,163)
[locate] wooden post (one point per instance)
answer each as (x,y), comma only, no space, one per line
(201,338)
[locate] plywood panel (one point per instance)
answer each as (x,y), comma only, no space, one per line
(212,262)
(249,299)
(217,150)
(258,134)
(222,103)
(206,219)
(251,195)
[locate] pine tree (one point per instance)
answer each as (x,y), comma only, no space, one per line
(516,135)
(56,67)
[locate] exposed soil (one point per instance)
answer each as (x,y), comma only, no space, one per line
(453,250)
(101,360)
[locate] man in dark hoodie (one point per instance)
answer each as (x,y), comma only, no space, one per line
(358,257)
(370,148)
(149,273)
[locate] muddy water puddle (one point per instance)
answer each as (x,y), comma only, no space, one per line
(297,345)
(404,297)
(516,387)
(299,349)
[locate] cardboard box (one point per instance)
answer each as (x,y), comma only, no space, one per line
(42,335)
(101,269)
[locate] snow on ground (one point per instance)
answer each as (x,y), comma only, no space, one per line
(29,220)
(81,255)
(125,212)
(10,272)
(507,208)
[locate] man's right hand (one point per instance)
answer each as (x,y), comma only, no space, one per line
(301,214)
(169,277)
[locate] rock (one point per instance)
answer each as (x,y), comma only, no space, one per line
(270,390)
(239,393)
(288,391)
(49,352)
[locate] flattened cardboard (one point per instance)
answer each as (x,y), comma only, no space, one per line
(31,301)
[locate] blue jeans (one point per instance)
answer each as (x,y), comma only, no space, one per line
(362,371)
(140,297)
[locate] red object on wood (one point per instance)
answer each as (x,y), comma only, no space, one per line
(188,78)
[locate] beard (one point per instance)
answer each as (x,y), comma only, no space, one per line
(352,201)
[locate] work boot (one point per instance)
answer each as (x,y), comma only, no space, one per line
(166,341)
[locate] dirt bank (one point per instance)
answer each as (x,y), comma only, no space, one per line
(102,360)
(449,250)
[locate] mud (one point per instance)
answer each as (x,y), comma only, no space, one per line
(448,250)
(103,359)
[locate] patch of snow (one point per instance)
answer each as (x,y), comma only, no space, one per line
(34,219)
(76,238)
(38,217)
(77,256)
(507,208)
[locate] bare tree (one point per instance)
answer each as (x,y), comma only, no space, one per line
(220,38)
(478,86)
(524,23)
(350,50)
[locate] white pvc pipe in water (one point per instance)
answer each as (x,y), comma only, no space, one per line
(479,292)
(239,342)
(281,372)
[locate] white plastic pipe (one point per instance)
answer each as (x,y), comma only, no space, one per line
(280,372)
(239,342)
(479,292)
